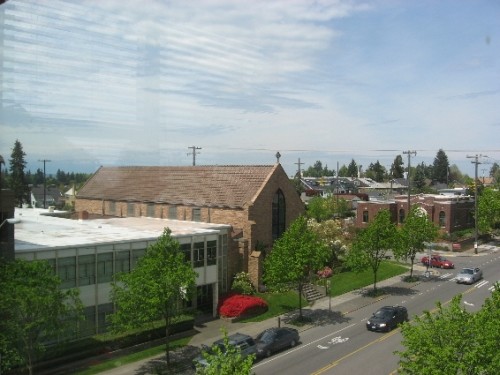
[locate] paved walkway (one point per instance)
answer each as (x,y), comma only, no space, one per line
(324,311)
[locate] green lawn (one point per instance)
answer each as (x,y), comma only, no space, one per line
(341,283)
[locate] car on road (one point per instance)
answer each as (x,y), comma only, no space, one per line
(387,318)
(469,275)
(244,343)
(272,340)
(437,261)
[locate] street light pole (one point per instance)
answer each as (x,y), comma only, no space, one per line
(476,162)
(414,153)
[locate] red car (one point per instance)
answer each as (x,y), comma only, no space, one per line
(437,261)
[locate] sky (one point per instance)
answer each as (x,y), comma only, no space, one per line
(87,83)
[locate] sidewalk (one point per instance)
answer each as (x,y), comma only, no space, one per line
(322,312)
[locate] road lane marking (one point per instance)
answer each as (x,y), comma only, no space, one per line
(336,362)
(303,346)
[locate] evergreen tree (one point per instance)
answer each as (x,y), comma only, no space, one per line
(18,182)
(440,167)
(352,169)
(397,169)
(419,177)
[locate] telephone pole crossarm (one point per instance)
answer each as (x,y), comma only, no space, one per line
(194,148)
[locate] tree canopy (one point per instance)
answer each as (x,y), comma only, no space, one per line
(488,207)
(440,167)
(17,178)
(453,341)
(415,232)
(397,169)
(34,310)
(296,255)
(370,246)
(154,290)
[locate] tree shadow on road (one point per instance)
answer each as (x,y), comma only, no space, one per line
(317,317)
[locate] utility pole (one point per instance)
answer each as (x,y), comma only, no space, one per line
(44,182)
(299,164)
(476,162)
(194,148)
(409,153)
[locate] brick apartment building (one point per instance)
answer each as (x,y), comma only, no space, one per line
(258,201)
(450,213)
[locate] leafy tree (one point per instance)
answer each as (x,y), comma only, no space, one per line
(18,182)
(397,169)
(370,247)
(352,169)
(376,171)
(34,310)
(495,173)
(416,230)
(488,210)
(343,171)
(455,175)
(318,209)
(154,289)
(225,360)
(453,341)
(440,167)
(296,255)
(318,170)
(419,177)
(330,232)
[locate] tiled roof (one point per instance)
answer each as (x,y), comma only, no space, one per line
(214,186)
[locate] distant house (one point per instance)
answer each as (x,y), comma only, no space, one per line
(51,195)
(258,201)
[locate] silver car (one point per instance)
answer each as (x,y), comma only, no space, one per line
(469,276)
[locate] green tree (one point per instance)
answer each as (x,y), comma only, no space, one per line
(343,171)
(440,167)
(34,310)
(453,341)
(495,173)
(295,256)
(155,289)
(488,210)
(225,360)
(415,232)
(397,169)
(331,233)
(352,169)
(419,177)
(319,209)
(370,246)
(376,171)
(17,176)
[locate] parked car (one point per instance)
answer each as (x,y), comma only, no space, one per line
(387,318)
(245,343)
(437,261)
(275,339)
(469,275)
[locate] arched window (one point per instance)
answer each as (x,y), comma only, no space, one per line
(401,216)
(279,210)
(365,217)
(442,219)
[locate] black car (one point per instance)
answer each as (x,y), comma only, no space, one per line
(387,318)
(274,339)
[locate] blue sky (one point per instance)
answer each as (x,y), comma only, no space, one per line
(91,83)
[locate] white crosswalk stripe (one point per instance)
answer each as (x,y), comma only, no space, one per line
(445,276)
(481,284)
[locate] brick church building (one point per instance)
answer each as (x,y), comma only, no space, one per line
(258,201)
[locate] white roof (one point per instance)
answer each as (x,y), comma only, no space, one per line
(36,230)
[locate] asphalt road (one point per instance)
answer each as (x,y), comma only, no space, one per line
(346,347)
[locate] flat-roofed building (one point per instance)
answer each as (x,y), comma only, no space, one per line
(87,254)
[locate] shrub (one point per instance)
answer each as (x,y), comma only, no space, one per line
(242,284)
(237,305)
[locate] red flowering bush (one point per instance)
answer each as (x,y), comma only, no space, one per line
(325,272)
(237,305)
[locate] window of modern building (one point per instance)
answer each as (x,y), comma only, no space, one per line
(88,324)
(222,264)
(442,219)
(365,216)
(199,254)
(150,210)
(186,249)
(122,261)
(401,216)
(136,255)
(278,214)
(66,270)
(104,267)
(204,298)
(211,253)
(196,213)
(172,212)
(102,316)
(86,270)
